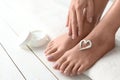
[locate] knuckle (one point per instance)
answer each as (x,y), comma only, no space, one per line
(73,8)
(79,5)
(73,23)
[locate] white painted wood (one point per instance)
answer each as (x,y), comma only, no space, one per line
(21,21)
(8,71)
(29,65)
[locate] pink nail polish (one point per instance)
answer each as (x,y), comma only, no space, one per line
(71,74)
(55,66)
(78,73)
(49,57)
(73,37)
(90,20)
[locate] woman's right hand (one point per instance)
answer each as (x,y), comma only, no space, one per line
(79,9)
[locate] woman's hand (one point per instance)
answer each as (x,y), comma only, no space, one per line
(79,9)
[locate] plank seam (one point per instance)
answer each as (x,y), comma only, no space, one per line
(42,62)
(12,61)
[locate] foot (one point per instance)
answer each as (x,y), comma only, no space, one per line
(75,61)
(58,46)
(61,44)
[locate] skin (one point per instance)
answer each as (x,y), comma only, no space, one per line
(74,61)
(76,16)
(57,47)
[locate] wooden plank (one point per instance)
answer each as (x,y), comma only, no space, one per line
(29,65)
(20,20)
(8,70)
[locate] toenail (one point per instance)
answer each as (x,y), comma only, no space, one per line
(79,73)
(71,74)
(66,73)
(45,51)
(49,57)
(56,65)
(61,71)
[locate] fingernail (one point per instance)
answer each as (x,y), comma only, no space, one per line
(90,19)
(79,33)
(72,37)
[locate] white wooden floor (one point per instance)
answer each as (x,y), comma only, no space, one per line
(18,17)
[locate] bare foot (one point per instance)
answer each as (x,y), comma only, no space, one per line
(58,46)
(61,44)
(75,61)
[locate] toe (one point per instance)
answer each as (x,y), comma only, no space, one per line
(69,69)
(58,64)
(63,66)
(81,70)
(49,46)
(75,69)
(55,55)
(50,43)
(51,50)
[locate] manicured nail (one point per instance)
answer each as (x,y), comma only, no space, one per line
(61,71)
(49,57)
(73,37)
(66,73)
(79,33)
(71,74)
(78,73)
(90,19)
(55,66)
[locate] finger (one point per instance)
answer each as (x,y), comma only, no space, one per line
(70,29)
(80,16)
(74,24)
(90,11)
(67,24)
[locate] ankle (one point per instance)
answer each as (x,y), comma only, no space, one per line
(101,38)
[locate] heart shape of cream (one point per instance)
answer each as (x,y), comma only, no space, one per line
(86,42)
